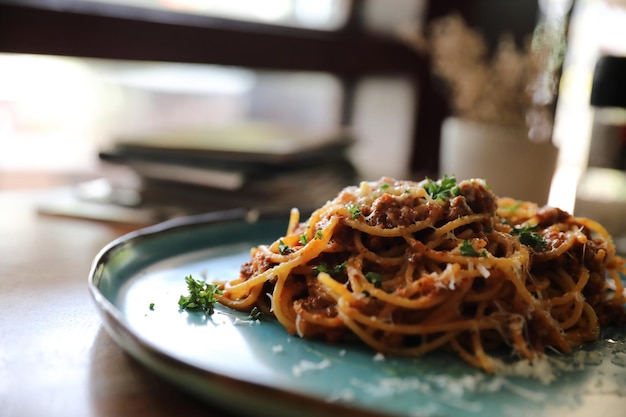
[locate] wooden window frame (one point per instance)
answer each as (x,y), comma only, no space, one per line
(108,31)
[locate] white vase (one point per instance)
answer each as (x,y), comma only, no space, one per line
(512,165)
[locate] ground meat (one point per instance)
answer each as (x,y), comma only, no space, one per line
(259,263)
(458,207)
(551,215)
(247,270)
(478,197)
(391,211)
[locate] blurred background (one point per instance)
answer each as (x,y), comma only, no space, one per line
(169,107)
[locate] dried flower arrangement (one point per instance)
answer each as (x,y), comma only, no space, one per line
(511,86)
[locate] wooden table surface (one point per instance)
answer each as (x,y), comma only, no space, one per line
(55,357)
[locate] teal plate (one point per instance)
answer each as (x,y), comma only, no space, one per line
(253,367)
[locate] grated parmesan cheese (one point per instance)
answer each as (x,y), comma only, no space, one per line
(483,270)
(308,366)
(271,297)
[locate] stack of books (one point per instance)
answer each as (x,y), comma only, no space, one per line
(252,166)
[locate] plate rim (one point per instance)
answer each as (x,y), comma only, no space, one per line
(193,379)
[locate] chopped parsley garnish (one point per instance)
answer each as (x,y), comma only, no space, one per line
(528,237)
(151,306)
(330,270)
(354,210)
(384,186)
(374,278)
(202,295)
(467,249)
(442,189)
(303,239)
(319,234)
(255,314)
(322,268)
(283,248)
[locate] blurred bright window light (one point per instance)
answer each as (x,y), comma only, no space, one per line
(34,98)
(313,14)
(177,77)
(56,112)
(597,27)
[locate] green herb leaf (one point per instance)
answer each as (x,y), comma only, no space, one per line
(467,249)
(321,268)
(354,210)
(151,306)
(202,295)
(255,314)
(319,234)
(442,189)
(374,278)
(528,237)
(303,239)
(384,186)
(283,248)
(341,268)
(332,271)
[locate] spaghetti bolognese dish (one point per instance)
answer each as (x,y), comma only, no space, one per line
(412,267)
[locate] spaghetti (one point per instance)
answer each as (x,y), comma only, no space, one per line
(411,267)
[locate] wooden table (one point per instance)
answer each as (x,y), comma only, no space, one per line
(55,357)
